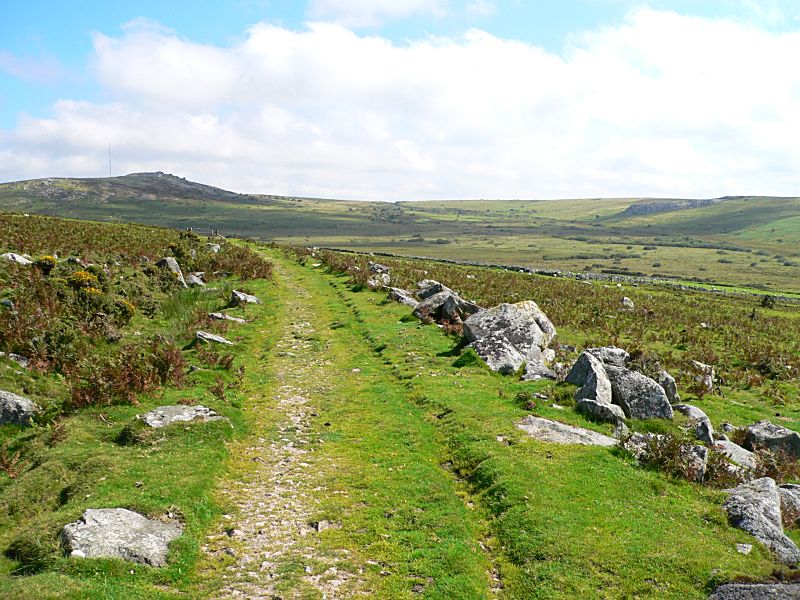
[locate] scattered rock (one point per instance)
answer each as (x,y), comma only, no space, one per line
(559,433)
(702,424)
(704,375)
(169,262)
(755,507)
(756,591)
(379,280)
(378,268)
(120,533)
(611,355)
(403,297)
(194,281)
(790,504)
(772,437)
(213,248)
(588,373)
(639,396)
(240,298)
(446,306)
(627,303)
(15,409)
(220,316)
(744,548)
(16,258)
(602,411)
(167,415)
(736,454)
(205,336)
(667,381)
(430,287)
(17,358)
(509,335)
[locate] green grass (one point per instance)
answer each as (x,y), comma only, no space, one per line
(559,521)
(167,470)
(416,455)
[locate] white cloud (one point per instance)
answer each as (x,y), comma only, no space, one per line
(371,13)
(661,104)
(480,8)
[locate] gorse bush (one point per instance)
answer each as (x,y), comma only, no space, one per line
(66,315)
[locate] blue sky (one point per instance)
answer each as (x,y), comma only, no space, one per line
(62,61)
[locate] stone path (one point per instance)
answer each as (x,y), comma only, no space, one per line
(276,499)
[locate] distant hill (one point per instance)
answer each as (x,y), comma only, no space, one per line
(741,240)
(651,207)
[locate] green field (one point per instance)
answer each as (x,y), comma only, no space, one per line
(407,444)
(742,241)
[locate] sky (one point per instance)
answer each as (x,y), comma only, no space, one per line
(408,99)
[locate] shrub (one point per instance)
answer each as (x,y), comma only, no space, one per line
(780,465)
(136,368)
(82,279)
(46,264)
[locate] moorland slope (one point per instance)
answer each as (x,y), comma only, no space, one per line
(743,241)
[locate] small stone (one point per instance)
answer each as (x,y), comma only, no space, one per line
(15,409)
(16,258)
(167,415)
(744,548)
(219,316)
(240,298)
(205,336)
(120,533)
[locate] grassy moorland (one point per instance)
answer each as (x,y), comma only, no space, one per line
(106,334)
(552,522)
(412,454)
(742,241)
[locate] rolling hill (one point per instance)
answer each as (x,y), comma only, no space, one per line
(748,241)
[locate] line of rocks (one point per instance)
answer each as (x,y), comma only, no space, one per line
(610,389)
